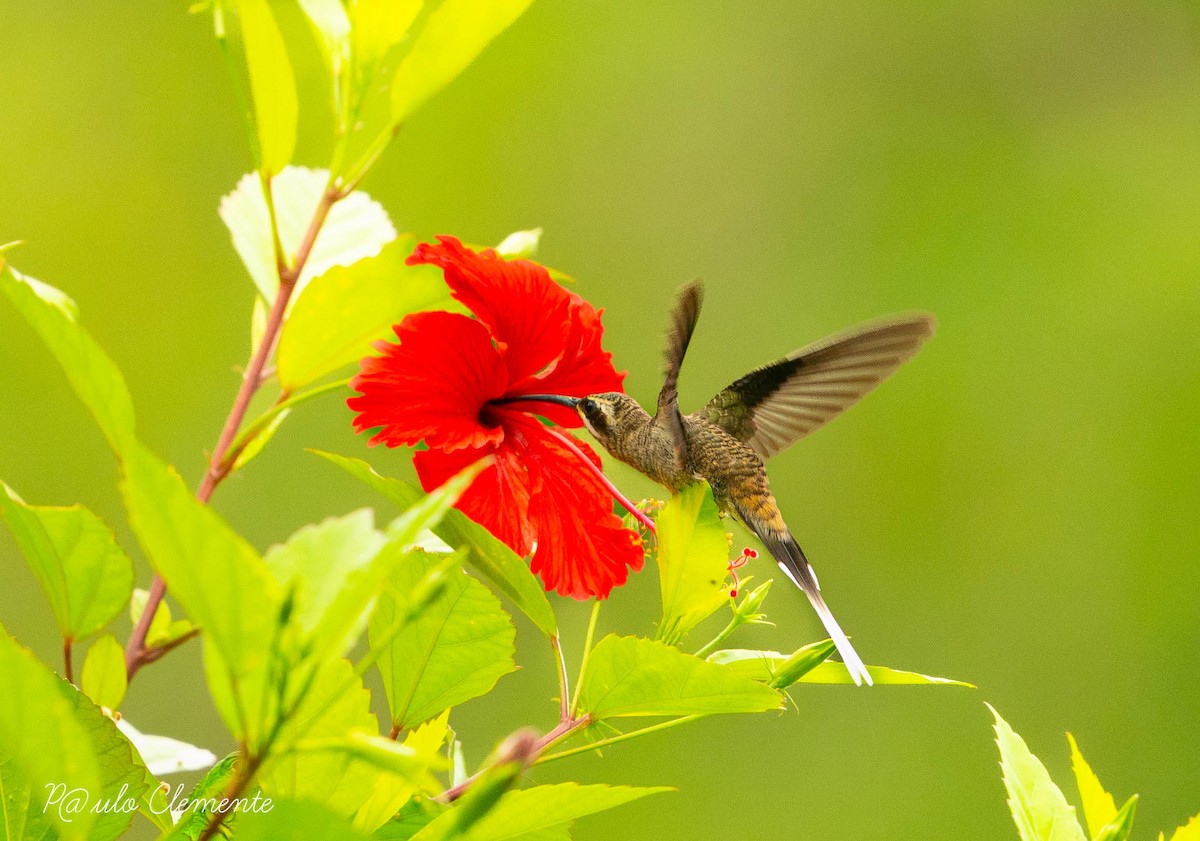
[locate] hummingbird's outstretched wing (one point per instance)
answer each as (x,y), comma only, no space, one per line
(683,322)
(775,406)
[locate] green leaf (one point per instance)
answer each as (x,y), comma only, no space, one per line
(92,374)
(290,820)
(777,670)
(627,676)
(104,679)
(76,559)
(1099,808)
(260,440)
(356,226)
(1038,807)
(1189,832)
(1121,825)
(332,27)
(41,737)
(490,558)
(212,785)
(693,561)
(21,814)
(271,84)
(345,310)
(215,574)
(454,34)
(315,565)
(521,814)
(455,650)
(376,27)
(389,794)
(124,781)
(336,707)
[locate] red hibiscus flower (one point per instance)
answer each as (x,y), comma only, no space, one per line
(528,336)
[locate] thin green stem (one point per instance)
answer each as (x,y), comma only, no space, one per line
(708,648)
(623,737)
(563,692)
(587,652)
(239,93)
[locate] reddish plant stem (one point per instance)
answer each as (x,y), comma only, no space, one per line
(136,653)
(563,729)
(626,503)
(68,666)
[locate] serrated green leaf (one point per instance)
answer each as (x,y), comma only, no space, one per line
(1121,825)
(42,737)
(92,374)
(489,557)
(75,557)
(389,793)
(271,84)
(290,820)
(627,676)
(356,226)
(348,308)
(1038,807)
(336,707)
(521,814)
(103,678)
(1099,808)
(315,565)
(455,33)
(693,561)
(455,650)
(218,578)
(414,816)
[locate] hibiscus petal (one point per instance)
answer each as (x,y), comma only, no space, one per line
(522,307)
(432,386)
(498,499)
(583,550)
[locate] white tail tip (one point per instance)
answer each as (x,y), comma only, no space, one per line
(854,664)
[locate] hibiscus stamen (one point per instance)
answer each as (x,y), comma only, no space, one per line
(626,503)
(736,564)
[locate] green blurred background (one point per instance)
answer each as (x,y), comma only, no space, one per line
(1017,508)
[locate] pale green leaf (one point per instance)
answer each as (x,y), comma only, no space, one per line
(627,676)
(1121,825)
(92,374)
(490,558)
(520,244)
(103,678)
(1099,808)
(215,574)
(521,814)
(335,707)
(777,670)
(332,27)
(42,737)
(356,226)
(315,564)
(290,820)
(454,650)
(1038,807)
(75,557)
(454,34)
(261,438)
(389,793)
(693,561)
(271,84)
(377,26)
(1189,831)
(21,815)
(348,308)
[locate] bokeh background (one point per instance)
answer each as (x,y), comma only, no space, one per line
(1018,507)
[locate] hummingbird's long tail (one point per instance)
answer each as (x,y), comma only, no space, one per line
(791,559)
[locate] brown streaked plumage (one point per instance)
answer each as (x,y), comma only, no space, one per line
(727,442)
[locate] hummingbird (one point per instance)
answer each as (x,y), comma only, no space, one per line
(728,442)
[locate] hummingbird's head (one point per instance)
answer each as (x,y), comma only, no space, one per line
(610,415)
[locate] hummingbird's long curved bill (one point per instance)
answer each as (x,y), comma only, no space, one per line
(560,399)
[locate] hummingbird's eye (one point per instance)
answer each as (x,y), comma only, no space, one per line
(588,406)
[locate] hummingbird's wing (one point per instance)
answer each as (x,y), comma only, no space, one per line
(775,406)
(683,322)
